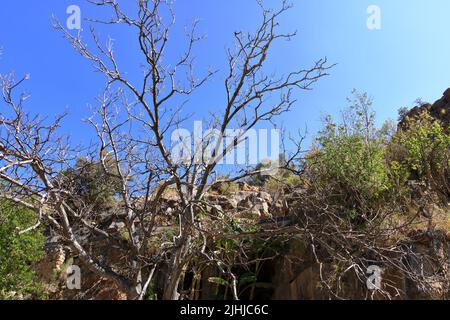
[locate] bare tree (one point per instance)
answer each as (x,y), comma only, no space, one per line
(132,122)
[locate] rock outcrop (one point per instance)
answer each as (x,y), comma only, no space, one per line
(292,275)
(439,110)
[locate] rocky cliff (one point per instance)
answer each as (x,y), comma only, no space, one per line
(294,274)
(439,110)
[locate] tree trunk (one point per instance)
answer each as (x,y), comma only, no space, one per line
(177,265)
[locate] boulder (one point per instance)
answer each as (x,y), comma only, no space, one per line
(447,95)
(255,205)
(226,203)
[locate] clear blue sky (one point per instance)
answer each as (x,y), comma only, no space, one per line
(408,58)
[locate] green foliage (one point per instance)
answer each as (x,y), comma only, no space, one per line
(402,112)
(225,188)
(18,253)
(278,177)
(350,158)
(91,184)
(219,281)
(426,146)
(260,179)
(421,151)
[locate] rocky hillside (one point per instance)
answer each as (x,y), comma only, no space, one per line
(439,110)
(294,274)
(363,198)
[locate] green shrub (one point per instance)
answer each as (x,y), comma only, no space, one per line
(91,185)
(349,159)
(422,151)
(278,175)
(18,253)
(225,188)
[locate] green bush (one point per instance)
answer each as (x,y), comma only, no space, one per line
(349,158)
(422,151)
(225,188)
(91,185)
(18,253)
(277,175)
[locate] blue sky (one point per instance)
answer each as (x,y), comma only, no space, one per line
(407,59)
